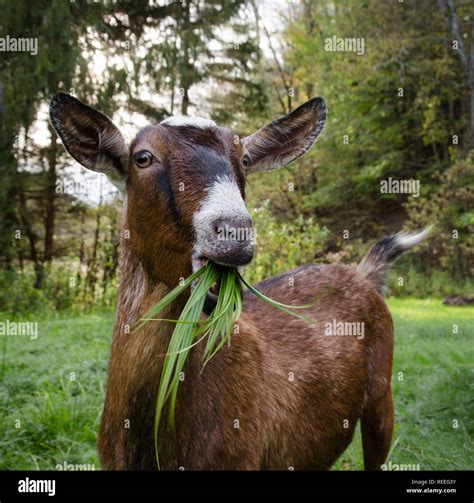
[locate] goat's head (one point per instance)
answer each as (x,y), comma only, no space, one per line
(185,179)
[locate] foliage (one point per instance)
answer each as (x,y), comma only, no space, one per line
(64,289)
(449,204)
(282,246)
(18,296)
(394,111)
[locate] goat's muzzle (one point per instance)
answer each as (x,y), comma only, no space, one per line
(227,241)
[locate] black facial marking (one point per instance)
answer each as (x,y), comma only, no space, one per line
(118,166)
(164,186)
(211,164)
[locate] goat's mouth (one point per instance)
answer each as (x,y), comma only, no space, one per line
(199,261)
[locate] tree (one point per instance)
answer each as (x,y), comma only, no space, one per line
(398,109)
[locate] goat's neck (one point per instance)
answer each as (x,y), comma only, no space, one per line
(137,294)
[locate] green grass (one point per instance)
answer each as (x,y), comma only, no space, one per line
(54,386)
(60,417)
(437,368)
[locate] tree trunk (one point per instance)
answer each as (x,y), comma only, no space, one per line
(91,278)
(280,70)
(50,195)
(8,188)
(111,260)
(449,10)
(185,65)
(308,13)
(471,85)
(173,78)
(453,23)
(93,262)
(32,239)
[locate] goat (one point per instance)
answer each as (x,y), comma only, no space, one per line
(285,394)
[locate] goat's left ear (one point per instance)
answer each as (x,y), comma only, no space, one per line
(90,137)
(286,139)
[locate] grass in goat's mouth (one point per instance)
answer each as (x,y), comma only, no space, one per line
(216,330)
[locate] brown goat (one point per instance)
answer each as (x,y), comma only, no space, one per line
(285,394)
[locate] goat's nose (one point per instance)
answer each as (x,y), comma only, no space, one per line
(234,240)
(234,229)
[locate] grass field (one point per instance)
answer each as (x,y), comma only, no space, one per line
(52,390)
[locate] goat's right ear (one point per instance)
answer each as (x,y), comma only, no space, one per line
(285,139)
(90,137)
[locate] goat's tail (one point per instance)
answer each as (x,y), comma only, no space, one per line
(376,263)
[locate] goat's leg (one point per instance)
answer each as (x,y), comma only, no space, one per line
(377,429)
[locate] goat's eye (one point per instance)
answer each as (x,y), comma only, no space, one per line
(245,161)
(143,158)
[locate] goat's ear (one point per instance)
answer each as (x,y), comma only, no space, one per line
(90,137)
(286,139)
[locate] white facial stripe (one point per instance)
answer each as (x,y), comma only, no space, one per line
(185,120)
(223,200)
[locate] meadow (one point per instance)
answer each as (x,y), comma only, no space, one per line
(52,390)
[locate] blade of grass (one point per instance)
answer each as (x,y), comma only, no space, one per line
(171,295)
(270,301)
(196,310)
(230,313)
(278,305)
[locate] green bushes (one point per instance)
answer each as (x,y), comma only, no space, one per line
(18,296)
(62,289)
(407,281)
(282,246)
